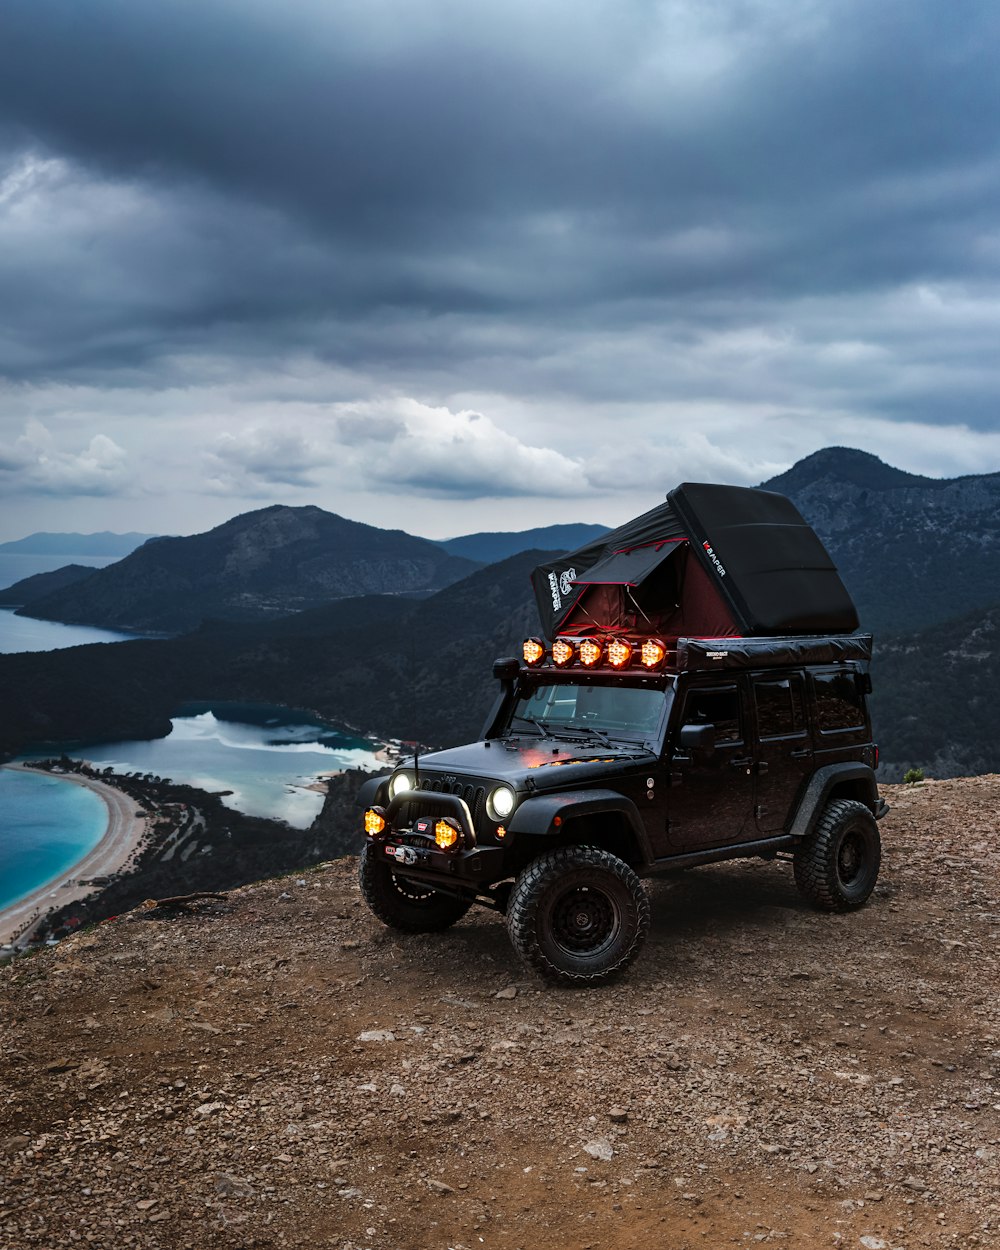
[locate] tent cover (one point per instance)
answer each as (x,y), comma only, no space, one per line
(711,562)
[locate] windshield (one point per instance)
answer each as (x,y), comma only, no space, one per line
(625,712)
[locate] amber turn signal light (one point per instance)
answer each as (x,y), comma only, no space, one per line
(446,834)
(562,652)
(374,822)
(589,652)
(533,651)
(619,652)
(653,653)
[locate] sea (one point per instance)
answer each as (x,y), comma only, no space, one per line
(46,826)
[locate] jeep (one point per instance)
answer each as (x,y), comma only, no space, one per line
(624,749)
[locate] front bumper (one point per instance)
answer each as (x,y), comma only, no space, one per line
(409,842)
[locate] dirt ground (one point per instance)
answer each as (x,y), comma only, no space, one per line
(280,1070)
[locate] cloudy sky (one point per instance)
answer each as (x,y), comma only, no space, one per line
(453,265)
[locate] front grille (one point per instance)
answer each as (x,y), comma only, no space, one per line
(474,796)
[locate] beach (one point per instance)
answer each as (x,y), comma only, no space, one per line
(114,853)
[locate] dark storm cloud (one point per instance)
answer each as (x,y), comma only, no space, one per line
(421,190)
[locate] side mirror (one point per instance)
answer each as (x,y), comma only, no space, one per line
(506,669)
(697,737)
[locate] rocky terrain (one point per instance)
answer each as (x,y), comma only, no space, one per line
(277,1069)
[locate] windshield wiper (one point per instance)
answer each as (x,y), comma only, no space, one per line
(530,720)
(590,730)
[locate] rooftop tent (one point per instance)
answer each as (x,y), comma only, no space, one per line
(768,562)
(713,561)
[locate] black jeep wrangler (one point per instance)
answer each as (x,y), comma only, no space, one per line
(616,752)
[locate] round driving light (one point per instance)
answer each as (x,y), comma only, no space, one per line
(562,652)
(502,801)
(398,784)
(533,651)
(653,653)
(501,832)
(374,822)
(446,835)
(589,652)
(619,652)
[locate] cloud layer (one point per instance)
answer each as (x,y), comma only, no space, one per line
(389,256)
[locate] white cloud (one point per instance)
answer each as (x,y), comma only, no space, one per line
(35,464)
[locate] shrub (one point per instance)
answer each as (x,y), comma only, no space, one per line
(913,775)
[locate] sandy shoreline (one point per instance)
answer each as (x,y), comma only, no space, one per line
(115,852)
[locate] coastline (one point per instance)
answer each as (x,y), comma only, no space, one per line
(115,852)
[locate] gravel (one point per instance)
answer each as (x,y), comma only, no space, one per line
(266,1073)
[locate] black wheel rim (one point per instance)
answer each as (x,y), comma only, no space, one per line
(585,921)
(851,859)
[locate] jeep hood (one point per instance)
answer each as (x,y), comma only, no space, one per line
(547,762)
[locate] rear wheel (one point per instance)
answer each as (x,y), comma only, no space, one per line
(578,915)
(402,904)
(837,866)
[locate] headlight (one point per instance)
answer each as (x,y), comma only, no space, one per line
(502,801)
(398,783)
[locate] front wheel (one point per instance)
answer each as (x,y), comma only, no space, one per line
(836,867)
(403,904)
(578,915)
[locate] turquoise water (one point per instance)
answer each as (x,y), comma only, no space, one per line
(21,633)
(46,825)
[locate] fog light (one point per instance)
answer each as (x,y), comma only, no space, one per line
(374,822)
(653,653)
(501,832)
(446,834)
(619,652)
(533,651)
(589,652)
(562,652)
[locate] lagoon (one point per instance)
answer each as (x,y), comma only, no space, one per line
(23,633)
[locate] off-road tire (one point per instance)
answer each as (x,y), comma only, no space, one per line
(836,867)
(403,904)
(578,915)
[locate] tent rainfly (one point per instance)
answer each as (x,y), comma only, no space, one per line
(711,562)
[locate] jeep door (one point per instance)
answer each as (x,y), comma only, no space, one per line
(782,748)
(711,794)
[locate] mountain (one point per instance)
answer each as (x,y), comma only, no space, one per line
(913,551)
(258,565)
(42,584)
(488,548)
(103,544)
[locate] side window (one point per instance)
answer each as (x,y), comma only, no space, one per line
(838,702)
(780,712)
(718,706)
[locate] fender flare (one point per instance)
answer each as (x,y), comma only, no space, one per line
(374,792)
(537,814)
(818,791)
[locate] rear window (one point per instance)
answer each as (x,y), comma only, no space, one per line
(838,702)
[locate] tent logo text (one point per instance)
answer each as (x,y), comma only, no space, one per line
(715,560)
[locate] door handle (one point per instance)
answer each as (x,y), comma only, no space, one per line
(800,755)
(742,763)
(761,768)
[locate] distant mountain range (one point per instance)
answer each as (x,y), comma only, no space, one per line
(487,548)
(257,566)
(103,544)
